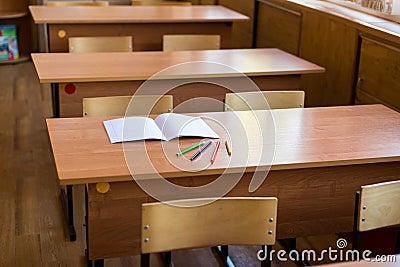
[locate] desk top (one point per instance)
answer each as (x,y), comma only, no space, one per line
(303,138)
(90,67)
(133,14)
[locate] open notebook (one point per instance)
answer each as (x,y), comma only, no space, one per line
(165,127)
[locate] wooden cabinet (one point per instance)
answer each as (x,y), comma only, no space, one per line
(278,27)
(330,43)
(318,38)
(16,13)
(358,70)
(378,73)
(242,32)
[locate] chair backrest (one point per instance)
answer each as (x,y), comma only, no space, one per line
(100,44)
(256,101)
(379,206)
(77,3)
(117,105)
(191,42)
(159,3)
(227,221)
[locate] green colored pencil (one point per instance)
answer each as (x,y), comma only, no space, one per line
(189,148)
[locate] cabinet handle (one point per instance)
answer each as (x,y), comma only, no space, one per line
(359,81)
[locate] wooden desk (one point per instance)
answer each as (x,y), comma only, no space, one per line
(146,24)
(122,73)
(322,156)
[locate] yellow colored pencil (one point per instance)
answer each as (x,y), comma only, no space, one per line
(228,148)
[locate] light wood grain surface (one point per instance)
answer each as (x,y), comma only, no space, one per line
(323,155)
(182,42)
(258,100)
(33,229)
(90,67)
(379,206)
(100,44)
(77,3)
(364,21)
(304,138)
(191,224)
(378,73)
(159,3)
(133,14)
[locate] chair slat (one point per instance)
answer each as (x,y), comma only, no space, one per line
(100,44)
(379,206)
(77,3)
(181,42)
(262,100)
(159,3)
(227,221)
(127,105)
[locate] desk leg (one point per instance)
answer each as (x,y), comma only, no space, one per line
(66,197)
(290,244)
(68,208)
(91,263)
(55,99)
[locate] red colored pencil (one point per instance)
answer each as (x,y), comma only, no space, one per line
(215,152)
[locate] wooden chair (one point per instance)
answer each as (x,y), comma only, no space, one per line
(117,105)
(189,224)
(377,206)
(191,42)
(159,3)
(100,44)
(77,3)
(256,101)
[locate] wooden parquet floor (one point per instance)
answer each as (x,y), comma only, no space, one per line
(32,230)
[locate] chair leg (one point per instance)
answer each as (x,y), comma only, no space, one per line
(221,253)
(224,252)
(145,260)
(96,263)
(267,262)
(357,236)
(290,244)
(397,248)
(167,258)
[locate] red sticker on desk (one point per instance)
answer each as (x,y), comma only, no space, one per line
(70,88)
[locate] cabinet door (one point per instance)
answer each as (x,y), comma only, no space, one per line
(330,43)
(378,74)
(277,27)
(242,31)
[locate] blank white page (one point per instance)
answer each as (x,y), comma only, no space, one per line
(132,129)
(177,125)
